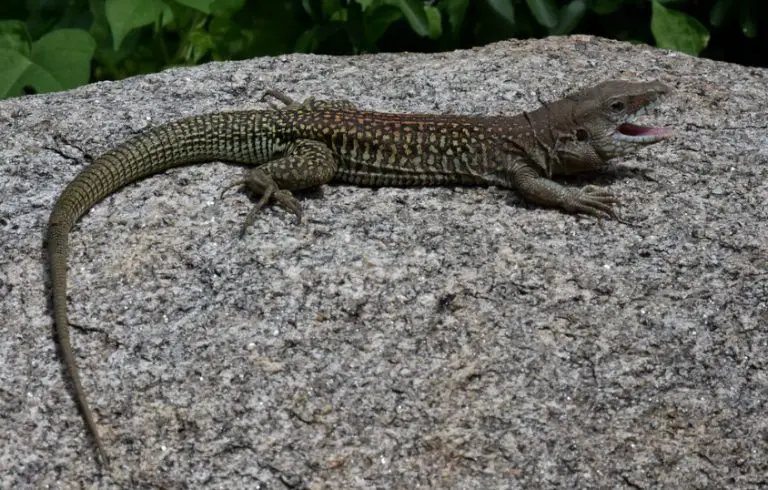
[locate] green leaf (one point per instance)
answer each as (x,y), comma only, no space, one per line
(59,60)
(678,31)
(204,6)
(330,7)
(167,16)
(378,21)
(605,7)
(17,68)
(455,11)
(748,20)
(107,59)
(544,11)
(42,15)
(340,16)
(226,8)
(504,8)
(306,43)
(66,54)
(14,35)
(355,29)
(570,16)
(435,22)
(720,12)
(414,13)
(200,43)
(127,15)
(258,29)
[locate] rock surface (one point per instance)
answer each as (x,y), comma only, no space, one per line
(400,338)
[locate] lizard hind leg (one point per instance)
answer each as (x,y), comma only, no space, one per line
(287,101)
(307,164)
(308,103)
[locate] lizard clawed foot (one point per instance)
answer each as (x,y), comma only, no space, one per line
(606,198)
(594,201)
(282,197)
(310,102)
(231,186)
(596,191)
(280,96)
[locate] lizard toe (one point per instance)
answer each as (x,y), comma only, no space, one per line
(599,205)
(282,198)
(597,192)
(251,217)
(239,183)
(286,200)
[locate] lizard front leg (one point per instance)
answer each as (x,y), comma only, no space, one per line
(589,200)
(307,163)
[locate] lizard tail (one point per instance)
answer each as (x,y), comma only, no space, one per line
(229,136)
(60,223)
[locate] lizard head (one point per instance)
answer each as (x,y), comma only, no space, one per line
(602,124)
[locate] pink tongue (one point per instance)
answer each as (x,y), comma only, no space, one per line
(634,130)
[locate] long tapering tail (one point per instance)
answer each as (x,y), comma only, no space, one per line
(242,137)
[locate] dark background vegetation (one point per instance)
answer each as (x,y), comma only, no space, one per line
(48,45)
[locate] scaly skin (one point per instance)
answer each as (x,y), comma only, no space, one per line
(309,144)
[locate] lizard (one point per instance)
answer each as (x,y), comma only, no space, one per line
(303,145)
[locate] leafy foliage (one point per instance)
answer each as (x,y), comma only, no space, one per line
(48,45)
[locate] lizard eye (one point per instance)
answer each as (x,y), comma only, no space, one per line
(582,134)
(618,106)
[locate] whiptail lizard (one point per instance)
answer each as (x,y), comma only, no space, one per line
(309,144)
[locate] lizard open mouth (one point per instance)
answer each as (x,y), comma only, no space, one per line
(634,133)
(631,132)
